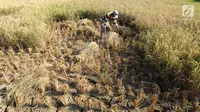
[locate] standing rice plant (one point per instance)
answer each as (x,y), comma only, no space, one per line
(22,32)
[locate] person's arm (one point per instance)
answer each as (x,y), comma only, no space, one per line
(115,22)
(104,18)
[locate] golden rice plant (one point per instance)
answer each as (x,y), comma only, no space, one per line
(78,78)
(196,106)
(11,53)
(19,99)
(55,84)
(101,105)
(166,96)
(64,88)
(154,99)
(64,99)
(121,98)
(1,53)
(80,100)
(98,87)
(125,31)
(30,50)
(114,108)
(140,94)
(86,31)
(10,10)
(103,79)
(4,78)
(85,22)
(129,90)
(11,109)
(69,28)
(89,54)
(119,83)
(28,83)
(114,41)
(108,90)
(48,101)
(82,88)
(88,103)
(97,67)
(117,58)
(151,108)
(24,30)
(136,103)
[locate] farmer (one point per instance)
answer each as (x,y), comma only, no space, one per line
(106,18)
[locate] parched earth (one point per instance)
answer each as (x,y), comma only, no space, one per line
(79,71)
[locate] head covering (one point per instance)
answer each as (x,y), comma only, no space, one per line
(115,12)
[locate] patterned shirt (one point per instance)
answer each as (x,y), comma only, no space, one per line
(107,17)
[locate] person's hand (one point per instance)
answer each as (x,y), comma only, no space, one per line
(104,25)
(116,25)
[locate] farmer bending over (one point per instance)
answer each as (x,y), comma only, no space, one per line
(106,18)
